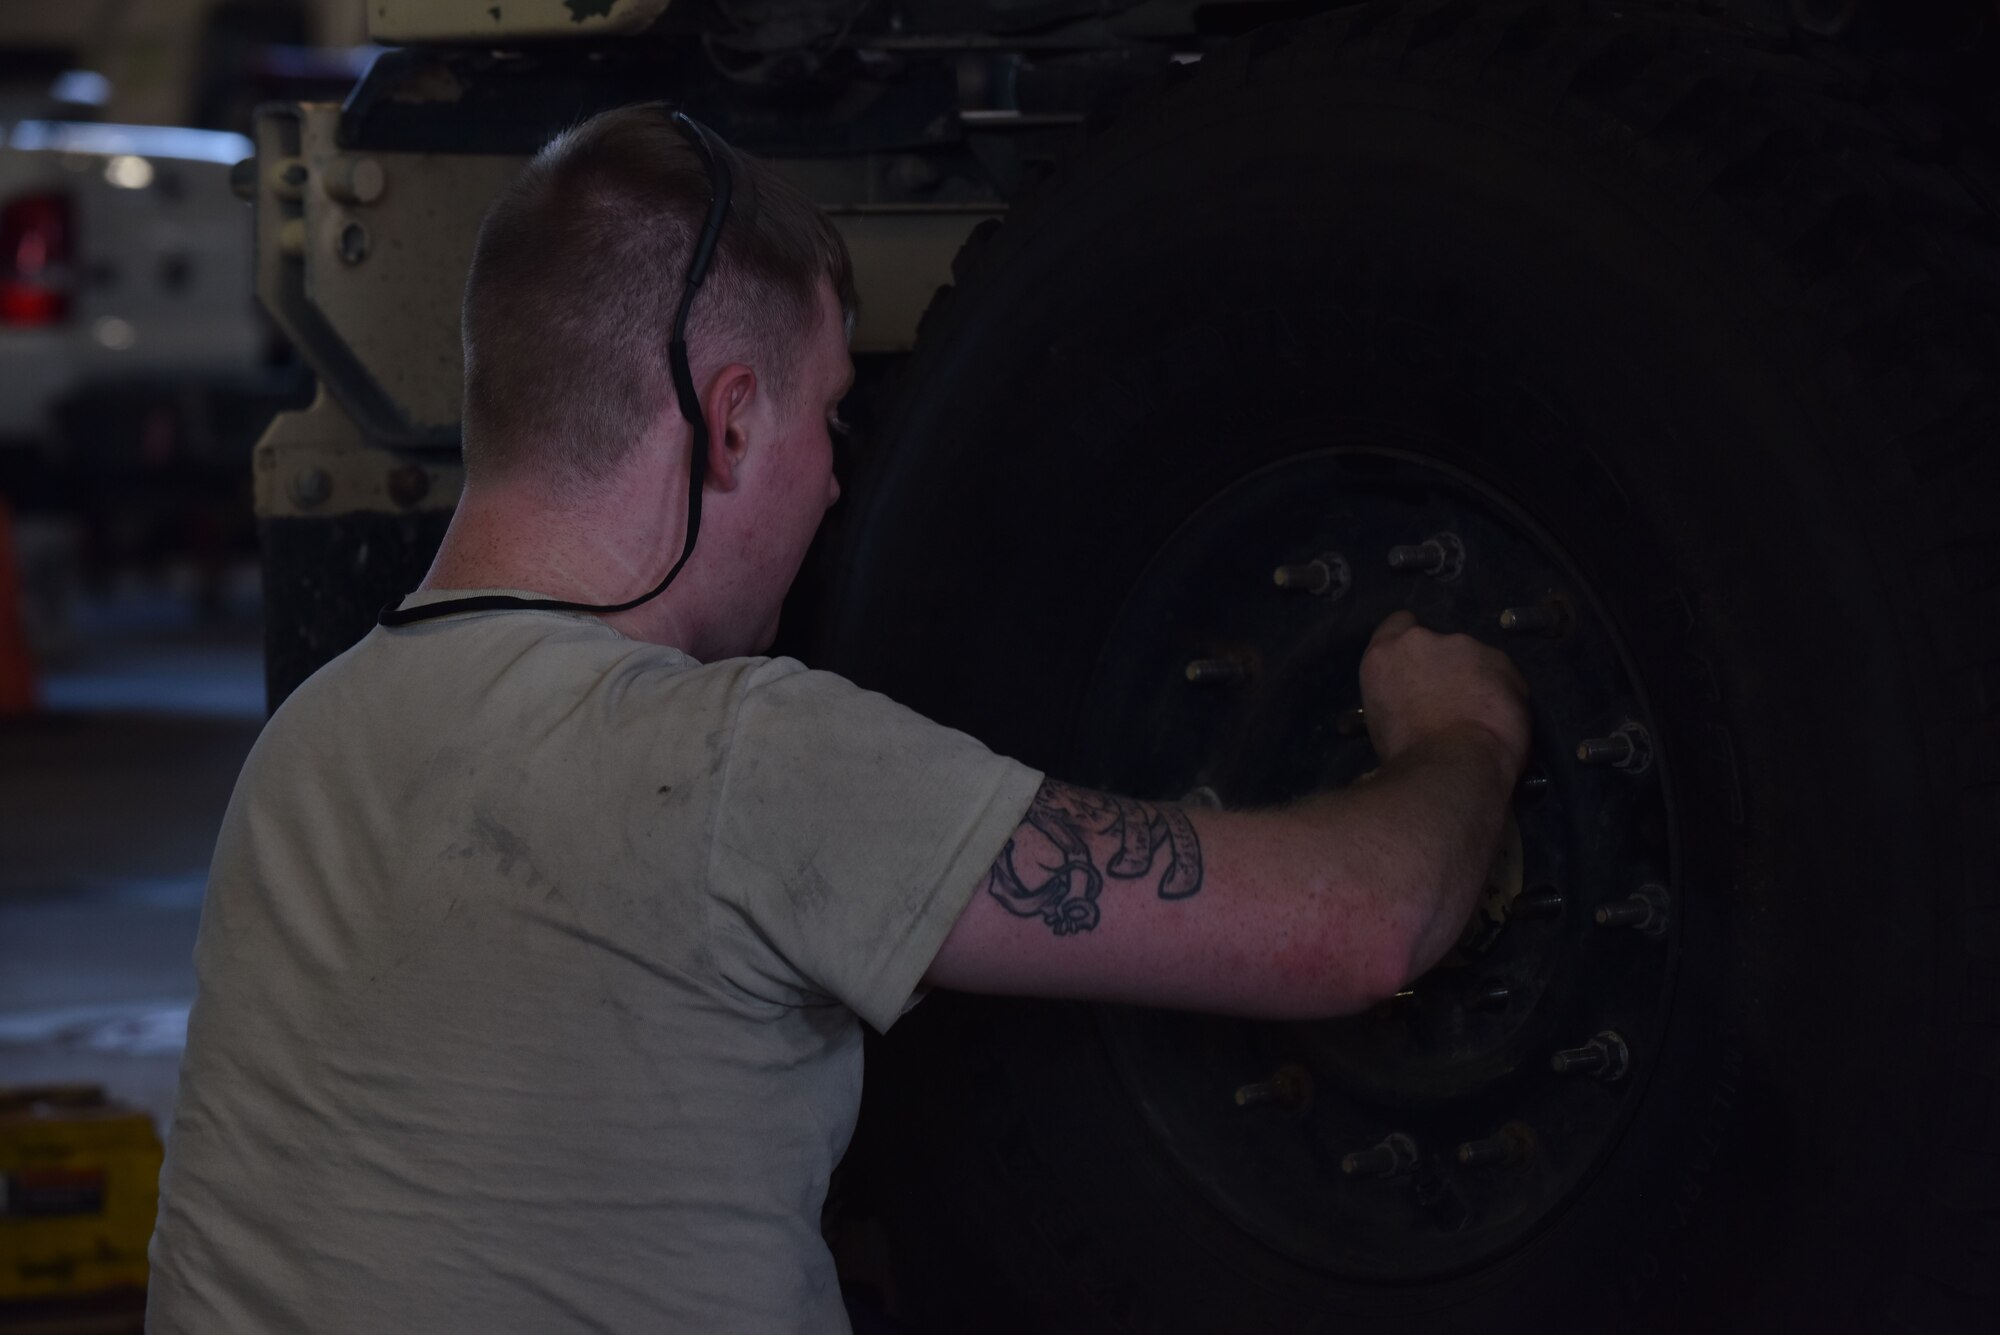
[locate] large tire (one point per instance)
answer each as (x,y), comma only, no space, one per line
(1726,330)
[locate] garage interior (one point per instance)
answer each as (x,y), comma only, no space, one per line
(1656,344)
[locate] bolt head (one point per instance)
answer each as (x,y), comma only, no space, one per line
(357,181)
(311,488)
(409,484)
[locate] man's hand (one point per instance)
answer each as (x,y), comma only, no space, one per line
(1416,685)
(1321,907)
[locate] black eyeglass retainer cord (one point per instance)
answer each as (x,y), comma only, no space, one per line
(684,391)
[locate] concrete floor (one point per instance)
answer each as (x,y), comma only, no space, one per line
(109,804)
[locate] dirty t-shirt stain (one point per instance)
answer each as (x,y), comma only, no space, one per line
(530,971)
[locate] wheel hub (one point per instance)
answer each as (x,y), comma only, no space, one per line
(1447,1125)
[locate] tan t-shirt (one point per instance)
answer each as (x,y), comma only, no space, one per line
(529,974)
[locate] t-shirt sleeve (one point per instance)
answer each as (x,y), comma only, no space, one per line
(852,832)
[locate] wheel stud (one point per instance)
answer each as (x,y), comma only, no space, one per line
(1545,902)
(1592,751)
(1326,574)
(1217,671)
(1396,1154)
(1511,1144)
(1398,1003)
(1289,1087)
(1644,910)
(1491,997)
(1553,616)
(1629,749)
(1605,1057)
(1441,555)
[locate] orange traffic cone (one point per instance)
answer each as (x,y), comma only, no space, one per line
(17,669)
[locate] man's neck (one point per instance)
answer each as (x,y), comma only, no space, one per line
(504,538)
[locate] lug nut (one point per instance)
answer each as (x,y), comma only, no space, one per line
(1289,1087)
(1605,1057)
(1644,910)
(1511,1144)
(1553,617)
(1629,749)
(1441,555)
(1326,574)
(1216,671)
(1543,903)
(1396,1154)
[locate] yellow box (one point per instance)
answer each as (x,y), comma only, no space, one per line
(79,1186)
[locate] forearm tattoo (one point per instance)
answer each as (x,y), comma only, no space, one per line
(1072,840)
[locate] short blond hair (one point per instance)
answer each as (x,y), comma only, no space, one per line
(576,276)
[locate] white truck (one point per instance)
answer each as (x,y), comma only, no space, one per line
(123,257)
(133,356)
(135,363)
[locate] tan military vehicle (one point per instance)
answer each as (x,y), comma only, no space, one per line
(1656,342)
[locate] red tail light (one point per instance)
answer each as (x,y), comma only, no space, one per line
(35,240)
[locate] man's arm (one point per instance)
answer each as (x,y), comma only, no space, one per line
(1320,908)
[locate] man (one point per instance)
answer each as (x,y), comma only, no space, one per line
(536,937)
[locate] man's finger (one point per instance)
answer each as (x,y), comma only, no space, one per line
(1395,624)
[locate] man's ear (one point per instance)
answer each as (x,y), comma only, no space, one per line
(732,407)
